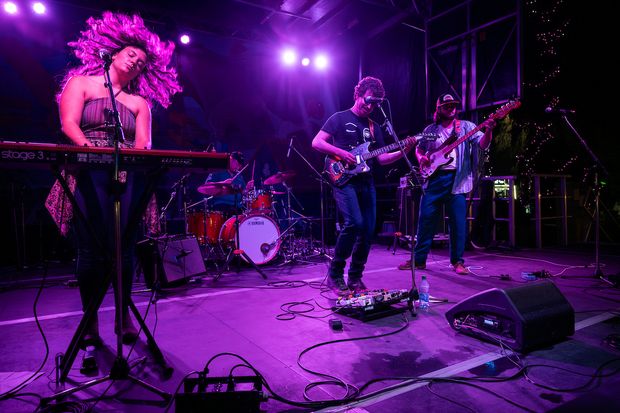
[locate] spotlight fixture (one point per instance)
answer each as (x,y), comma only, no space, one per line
(289,57)
(185,39)
(305,61)
(320,62)
(10,7)
(38,7)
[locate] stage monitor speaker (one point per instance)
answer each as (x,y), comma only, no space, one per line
(170,260)
(522,317)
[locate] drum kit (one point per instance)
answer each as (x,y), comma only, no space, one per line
(256,230)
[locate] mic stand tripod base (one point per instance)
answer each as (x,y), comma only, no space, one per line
(239,253)
(119,371)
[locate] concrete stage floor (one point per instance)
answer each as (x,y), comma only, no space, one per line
(243,314)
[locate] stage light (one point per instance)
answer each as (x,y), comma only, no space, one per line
(38,7)
(289,57)
(185,39)
(305,61)
(10,7)
(320,62)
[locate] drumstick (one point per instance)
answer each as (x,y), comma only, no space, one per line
(253,169)
(238,173)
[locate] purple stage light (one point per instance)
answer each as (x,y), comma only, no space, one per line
(320,62)
(185,39)
(10,7)
(38,7)
(305,61)
(289,57)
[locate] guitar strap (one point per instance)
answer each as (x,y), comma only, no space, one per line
(456,132)
(371,127)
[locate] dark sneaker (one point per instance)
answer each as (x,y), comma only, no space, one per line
(460,269)
(356,285)
(407,266)
(338,286)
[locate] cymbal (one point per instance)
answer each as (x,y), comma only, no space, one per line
(217,189)
(278,192)
(279,177)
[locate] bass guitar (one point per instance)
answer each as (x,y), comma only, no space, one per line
(439,157)
(339,173)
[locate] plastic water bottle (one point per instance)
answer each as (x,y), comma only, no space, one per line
(424,295)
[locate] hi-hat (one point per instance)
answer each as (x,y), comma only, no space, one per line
(279,177)
(217,189)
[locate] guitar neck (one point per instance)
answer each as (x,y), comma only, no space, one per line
(388,148)
(460,140)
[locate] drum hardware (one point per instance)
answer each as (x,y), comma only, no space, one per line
(237,249)
(279,177)
(180,184)
(322,181)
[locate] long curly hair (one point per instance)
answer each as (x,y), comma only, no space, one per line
(113,32)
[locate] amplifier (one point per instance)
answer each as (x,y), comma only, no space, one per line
(170,260)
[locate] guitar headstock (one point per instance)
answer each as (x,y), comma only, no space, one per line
(505,109)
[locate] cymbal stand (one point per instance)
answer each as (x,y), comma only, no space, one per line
(120,370)
(173,194)
(323,251)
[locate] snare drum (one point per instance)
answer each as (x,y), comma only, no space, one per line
(258,236)
(205,225)
(259,201)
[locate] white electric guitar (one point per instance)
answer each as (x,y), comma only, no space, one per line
(439,157)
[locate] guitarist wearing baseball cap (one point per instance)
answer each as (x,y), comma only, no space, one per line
(447,165)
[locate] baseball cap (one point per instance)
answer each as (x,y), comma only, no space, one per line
(446,99)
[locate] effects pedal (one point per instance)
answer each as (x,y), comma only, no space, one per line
(372,304)
(220,394)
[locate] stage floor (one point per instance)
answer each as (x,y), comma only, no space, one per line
(245,315)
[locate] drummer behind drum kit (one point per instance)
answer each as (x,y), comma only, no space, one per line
(255,230)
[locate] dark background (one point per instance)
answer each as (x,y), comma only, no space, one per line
(238,96)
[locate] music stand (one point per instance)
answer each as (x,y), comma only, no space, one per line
(217,189)
(120,369)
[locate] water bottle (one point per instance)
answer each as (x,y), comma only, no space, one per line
(424,295)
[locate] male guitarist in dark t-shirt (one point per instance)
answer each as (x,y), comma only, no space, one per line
(355,197)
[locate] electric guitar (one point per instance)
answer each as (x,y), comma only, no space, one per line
(439,156)
(339,173)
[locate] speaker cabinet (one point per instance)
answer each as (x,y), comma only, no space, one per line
(170,260)
(523,317)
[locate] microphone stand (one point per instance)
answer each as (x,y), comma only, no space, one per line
(414,294)
(321,179)
(120,369)
(598,167)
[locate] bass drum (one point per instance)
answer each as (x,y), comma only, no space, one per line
(258,236)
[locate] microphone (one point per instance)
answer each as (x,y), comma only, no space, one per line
(105,55)
(372,99)
(561,111)
(183,253)
(265,248)
(290,145)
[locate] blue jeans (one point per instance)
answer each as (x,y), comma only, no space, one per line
(356,202)
(438,192)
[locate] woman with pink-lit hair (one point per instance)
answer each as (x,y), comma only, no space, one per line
(141,76)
